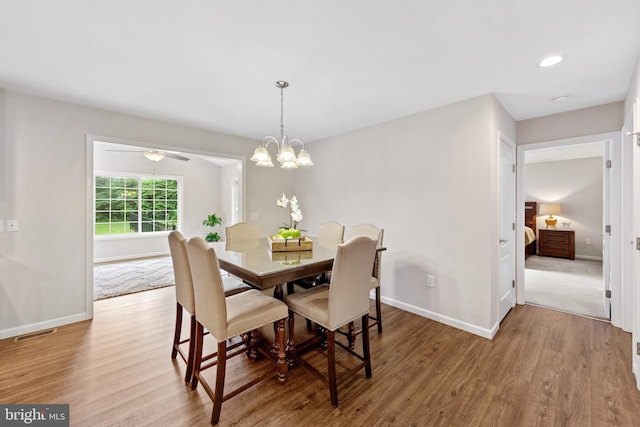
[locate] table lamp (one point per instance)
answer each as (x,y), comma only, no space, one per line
(550,209)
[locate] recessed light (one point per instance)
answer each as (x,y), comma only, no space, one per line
(550,60)
(560,98)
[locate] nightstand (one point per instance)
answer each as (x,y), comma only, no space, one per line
(557,243)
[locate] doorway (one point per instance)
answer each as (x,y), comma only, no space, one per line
(571,174)
(196,184)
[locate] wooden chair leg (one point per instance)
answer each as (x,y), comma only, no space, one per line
(197,362)
(178,331)
(281,351)
(378,310)
(192,350)
(366,352)
(331,360)
(292,347)
(219,388)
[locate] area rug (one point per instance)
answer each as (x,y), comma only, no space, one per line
(121,278)
(573,286)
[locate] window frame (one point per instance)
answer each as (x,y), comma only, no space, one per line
(139,176)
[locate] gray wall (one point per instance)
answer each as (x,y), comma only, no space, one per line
(430,180)
(577,185)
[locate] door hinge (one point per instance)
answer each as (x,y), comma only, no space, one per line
(513,283)
(513,168)
(638,348)
(607,164)
(607,229)
(607,293)
(638,243)
(513,225)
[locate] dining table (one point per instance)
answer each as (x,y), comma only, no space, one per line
(253,261)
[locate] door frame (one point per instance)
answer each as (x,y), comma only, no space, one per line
(619,316)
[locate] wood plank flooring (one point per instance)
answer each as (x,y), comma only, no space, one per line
(544,368)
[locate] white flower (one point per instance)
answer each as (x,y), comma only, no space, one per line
(283,201)
(296,215)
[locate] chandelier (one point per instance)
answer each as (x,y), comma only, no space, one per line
(286,156)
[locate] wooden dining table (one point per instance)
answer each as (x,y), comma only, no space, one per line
(256,264)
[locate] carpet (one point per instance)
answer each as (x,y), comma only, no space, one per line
(572,286)
(127,277)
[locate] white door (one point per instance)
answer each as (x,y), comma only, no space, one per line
(507,227)
(606,231)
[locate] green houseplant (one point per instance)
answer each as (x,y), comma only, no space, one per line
(212,220)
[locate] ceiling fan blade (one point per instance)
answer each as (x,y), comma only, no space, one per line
(176,156)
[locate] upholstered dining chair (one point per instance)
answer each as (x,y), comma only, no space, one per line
(229,317)
(185,299)
(330,235)
(242,231)
(332,306)
(377,234)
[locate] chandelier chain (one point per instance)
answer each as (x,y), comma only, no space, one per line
(281,113)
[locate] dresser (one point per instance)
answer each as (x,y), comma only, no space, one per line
(557,243)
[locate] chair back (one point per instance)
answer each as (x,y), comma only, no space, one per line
(350,281)
(208,290)
(242,231)
(330,234)
(181,271)
(372,232)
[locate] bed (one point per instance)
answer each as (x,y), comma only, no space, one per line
(530,210)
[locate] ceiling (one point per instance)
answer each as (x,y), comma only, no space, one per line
(212,64)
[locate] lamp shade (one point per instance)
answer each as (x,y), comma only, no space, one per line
(550,209)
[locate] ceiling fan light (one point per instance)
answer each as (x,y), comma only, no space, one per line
(260,155)
(304,159)
(154,156)
(287,154)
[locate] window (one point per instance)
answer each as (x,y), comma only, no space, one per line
(126,205)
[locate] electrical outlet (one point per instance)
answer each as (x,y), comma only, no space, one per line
(12,225)
(254,216)
(431,281)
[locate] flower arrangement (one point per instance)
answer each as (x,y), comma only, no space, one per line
(290,231)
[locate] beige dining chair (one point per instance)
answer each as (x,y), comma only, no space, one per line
(229,317)
(242,231)
(332,306)
(377,234)
(330,235)
(185,299)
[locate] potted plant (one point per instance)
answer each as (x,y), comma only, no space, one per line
(212,220)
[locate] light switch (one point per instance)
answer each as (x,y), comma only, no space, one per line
(12,225)
(254,216)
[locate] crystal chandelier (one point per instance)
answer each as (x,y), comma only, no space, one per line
(286,156)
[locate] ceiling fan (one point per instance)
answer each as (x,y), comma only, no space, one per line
(155,155)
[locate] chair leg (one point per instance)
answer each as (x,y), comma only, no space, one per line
(378,310)
(351,336)
(192,350)
(331,360)
(221,369)
(281,351)
(366,352)
(197,362)
(178,331)
(292,347)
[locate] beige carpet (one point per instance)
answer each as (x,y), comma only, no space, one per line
(126,277)
(572,286)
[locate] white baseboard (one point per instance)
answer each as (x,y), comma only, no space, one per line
(34,327)
(130,257)
(589,257)
(450,321)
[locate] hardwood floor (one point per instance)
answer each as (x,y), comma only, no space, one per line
(543,368)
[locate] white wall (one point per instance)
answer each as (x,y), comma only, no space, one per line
(43,142)
(430,180)
(577,185)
